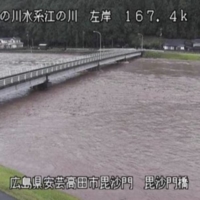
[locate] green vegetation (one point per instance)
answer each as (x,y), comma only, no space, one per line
(116,32)
(149,42)
(172,55)
(5,175)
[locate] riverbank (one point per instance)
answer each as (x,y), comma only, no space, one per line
(172,55)
(6,174)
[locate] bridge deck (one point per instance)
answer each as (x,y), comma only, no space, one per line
(90,61)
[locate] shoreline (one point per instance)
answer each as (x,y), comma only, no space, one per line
(191,56)
(20,194)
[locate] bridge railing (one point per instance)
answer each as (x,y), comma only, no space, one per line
(24,76)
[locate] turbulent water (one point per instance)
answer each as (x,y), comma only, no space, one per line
(13,63)
(134,119)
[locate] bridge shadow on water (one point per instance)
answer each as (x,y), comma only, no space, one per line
(60,82)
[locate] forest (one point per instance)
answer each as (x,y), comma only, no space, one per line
(128,20)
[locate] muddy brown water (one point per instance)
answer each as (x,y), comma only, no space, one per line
(136,119)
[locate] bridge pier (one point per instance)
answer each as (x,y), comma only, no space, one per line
(122,60)
(99,66)
(96,68)
(42,86)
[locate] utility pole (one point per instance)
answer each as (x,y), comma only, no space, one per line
(142,41)
(100,41)
(83,39)
(32,46)
(27,35)
(161,38)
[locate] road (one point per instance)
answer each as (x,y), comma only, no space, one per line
(4,196)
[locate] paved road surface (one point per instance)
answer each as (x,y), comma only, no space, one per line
(4,196)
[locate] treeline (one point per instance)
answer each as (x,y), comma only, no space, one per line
(117,32)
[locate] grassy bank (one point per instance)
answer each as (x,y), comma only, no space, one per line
(5,175)
(172,55)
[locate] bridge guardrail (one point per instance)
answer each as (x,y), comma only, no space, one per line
(24,76)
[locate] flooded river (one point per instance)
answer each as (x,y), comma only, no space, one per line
(133,119)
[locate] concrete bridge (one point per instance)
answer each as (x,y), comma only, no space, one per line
(39,78)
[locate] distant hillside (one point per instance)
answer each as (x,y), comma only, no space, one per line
(116,32)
